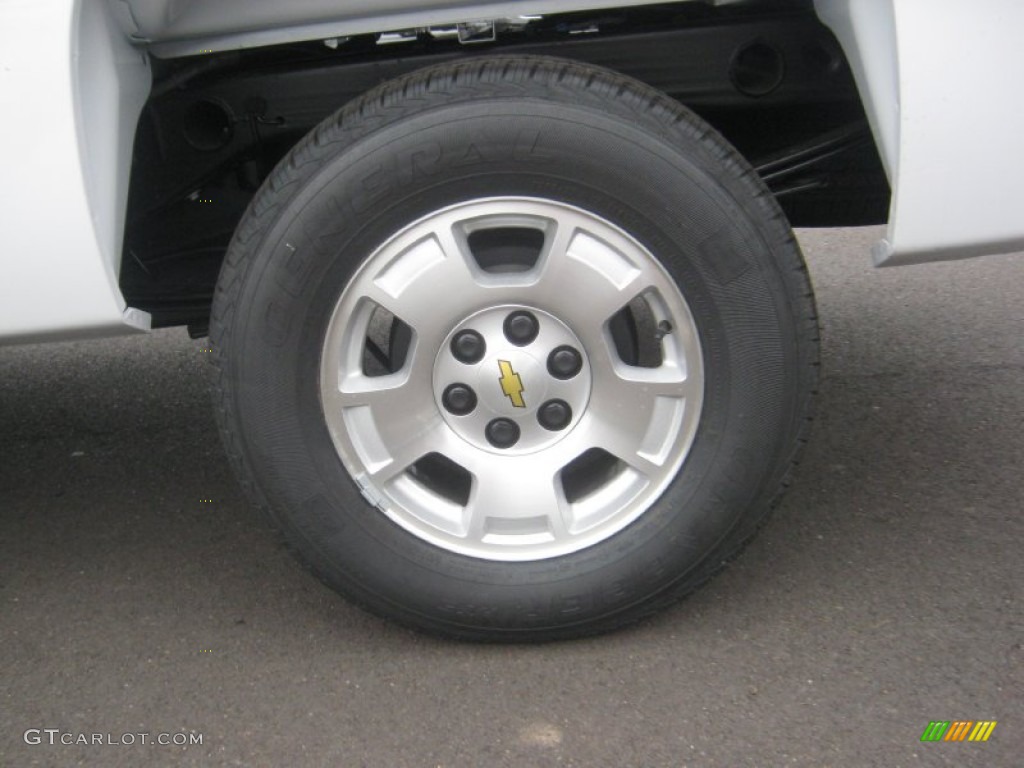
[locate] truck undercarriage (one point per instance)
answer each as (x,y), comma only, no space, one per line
(769,77)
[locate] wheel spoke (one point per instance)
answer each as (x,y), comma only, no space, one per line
(635,414)
(516,496)
(600,279)
(395,419)
(422,273)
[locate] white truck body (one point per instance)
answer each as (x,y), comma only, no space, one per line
(939,81)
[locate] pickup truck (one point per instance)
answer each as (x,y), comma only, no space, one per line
(511,338)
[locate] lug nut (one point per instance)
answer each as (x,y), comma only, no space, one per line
(468,347)
(459,399)
(554,415)
(502,433)
(564,362)
(521,328)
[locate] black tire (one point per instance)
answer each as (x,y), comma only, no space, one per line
(554,130)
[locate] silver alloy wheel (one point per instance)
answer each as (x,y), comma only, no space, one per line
(513,427)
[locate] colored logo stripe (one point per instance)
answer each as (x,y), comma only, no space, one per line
(982,730)
(958,730)
(935,731)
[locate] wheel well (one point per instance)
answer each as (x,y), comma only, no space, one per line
(774,82)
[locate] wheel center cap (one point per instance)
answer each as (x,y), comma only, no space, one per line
(524,372)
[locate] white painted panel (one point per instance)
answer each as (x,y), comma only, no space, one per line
(867,32)
(70,97)
(941,81)
(960,179)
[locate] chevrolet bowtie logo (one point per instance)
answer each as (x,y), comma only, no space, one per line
(511,384)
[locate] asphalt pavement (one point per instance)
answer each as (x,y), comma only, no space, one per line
(139,593)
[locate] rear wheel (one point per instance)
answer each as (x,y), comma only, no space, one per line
(514,349)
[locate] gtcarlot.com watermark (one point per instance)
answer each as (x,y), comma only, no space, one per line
(56,736)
